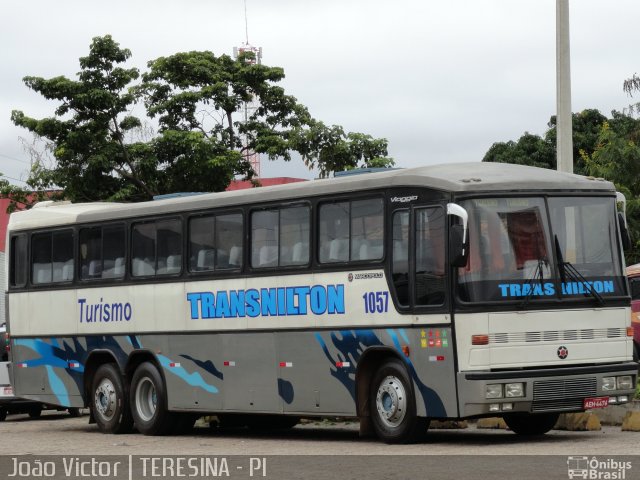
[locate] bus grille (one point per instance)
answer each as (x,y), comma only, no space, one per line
(557,335)
(562,394)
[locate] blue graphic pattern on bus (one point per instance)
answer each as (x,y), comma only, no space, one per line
(194,379)
(50,358)
(432,402)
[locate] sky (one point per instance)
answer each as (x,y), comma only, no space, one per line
(440,80)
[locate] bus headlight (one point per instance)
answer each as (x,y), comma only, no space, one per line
(624,383)
(608,383)
(494,391)
(512,390)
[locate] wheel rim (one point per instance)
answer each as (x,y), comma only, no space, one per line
(146,399)
(391,401)
(105,399)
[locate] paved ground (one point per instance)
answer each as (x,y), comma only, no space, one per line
(57,433)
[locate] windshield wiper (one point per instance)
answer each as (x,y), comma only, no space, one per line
(538,274)
(568,270)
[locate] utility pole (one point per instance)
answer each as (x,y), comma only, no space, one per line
(564,128)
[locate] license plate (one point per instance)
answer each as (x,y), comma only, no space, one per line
(8,390)
(600,402)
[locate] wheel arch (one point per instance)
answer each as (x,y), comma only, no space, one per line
(94,361)
(370,361)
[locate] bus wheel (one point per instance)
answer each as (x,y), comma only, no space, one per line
(148,406)
(393,407)
(531,424)
(3,414)
(108,403)
(35,411)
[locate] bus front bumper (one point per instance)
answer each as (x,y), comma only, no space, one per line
(569,389)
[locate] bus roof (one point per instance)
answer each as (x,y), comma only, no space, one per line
(453,178)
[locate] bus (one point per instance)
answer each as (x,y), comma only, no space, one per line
(440,292)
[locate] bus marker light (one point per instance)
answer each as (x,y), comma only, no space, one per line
(74,365)
(479,339)
(343,364)
(229,364)
(405,350)
(286,364)
(174,365)
(629,331)
(22,365)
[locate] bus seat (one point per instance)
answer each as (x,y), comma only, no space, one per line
(42,272)
(268,256)
(300,253)
(206,259)
(57,271)
(235,256)
(67,271)
(95,268)
(118,267)
(174,264)
(339,250)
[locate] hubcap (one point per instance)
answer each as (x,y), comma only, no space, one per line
(105,399)
(146,399)
(391,401)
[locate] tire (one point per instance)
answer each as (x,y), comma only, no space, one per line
(148,402)
(108,402)
(3,414)
(530,423)
(35,412)
(393,406)
(74,412)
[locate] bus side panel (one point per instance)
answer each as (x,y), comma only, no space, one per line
(311,380)
(430,365)
(193,371)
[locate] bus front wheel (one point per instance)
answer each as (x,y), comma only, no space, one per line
(148,401)
(531,424)
(393,406)
(109,405)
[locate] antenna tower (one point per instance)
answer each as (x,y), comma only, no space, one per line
(251,106)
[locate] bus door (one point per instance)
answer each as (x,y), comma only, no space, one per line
(420,280)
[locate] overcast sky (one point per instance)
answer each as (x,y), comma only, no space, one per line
(441,80)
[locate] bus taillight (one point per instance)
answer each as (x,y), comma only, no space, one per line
(479,339)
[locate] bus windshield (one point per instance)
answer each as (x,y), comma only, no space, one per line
(535,249)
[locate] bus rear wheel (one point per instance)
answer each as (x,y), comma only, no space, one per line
(531,423)
(148,402)
(108,404)
(393,406)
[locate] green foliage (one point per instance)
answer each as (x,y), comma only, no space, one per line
(617,158)
(204,132)
(540,152)
(603,147)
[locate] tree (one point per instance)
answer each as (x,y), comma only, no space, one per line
(617,158)
(536,151)
(202,136)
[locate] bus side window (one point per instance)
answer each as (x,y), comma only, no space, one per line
(400,256)
(19,261)
(430,256)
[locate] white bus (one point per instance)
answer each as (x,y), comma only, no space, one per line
(443,292)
